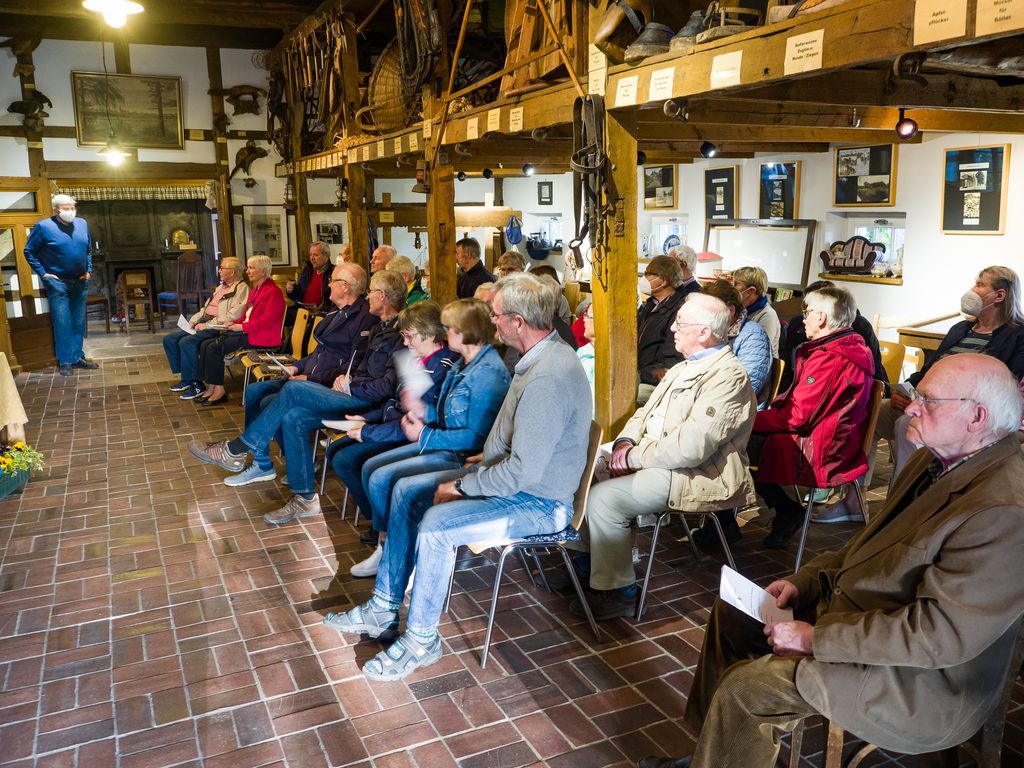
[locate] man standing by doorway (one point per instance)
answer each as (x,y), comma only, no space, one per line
(59,250)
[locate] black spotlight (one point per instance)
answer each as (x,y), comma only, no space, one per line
(461,175)
(528,169)
(708,150)
(487,173)
(906,128)
(641,157)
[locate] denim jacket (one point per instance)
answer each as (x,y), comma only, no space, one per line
(467,406)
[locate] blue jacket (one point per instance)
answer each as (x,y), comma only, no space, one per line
(64,250)
(754,350)
(374,377)
(338,336)
(468,403)
(388,428)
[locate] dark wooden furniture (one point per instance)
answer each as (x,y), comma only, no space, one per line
(97,304)
(189,286)
(134,291)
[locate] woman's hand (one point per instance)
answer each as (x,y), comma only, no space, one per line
(235,327)
(412,427)
(200,326)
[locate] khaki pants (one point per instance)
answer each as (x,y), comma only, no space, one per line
(743,699)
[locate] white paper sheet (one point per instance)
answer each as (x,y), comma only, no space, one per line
(412,375)
(183,324)
(740,592)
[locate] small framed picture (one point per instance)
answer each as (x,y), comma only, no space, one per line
(974,190)
(865,177)
(265,231)
(780,190)
(721,193)
(660,189)
(545,193)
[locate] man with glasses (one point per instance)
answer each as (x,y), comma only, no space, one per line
(684,450)
(903,636)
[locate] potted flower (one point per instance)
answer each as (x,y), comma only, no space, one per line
(17,460)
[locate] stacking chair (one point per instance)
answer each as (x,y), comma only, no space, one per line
(874,406)
(893,355)
(189,285)
(557,540)
(253,360)
(775,377)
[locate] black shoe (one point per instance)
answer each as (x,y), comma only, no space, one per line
(65,370)
(206,403)
(783,529)
(665,762)
(370,537)
(606,605)
(707,535)
(85,363)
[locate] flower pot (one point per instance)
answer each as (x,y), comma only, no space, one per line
(12,481)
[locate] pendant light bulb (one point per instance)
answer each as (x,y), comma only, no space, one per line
(114,12)
(113,153)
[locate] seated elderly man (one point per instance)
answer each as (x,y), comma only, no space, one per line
(524,485)
(380,258)
(813,432)
(684,450)
(402,265)
(297,410)
(911,626)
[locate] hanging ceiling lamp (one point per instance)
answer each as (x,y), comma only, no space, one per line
(113,153)
(115,12)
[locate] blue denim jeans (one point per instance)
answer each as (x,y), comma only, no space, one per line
(349,458)
(382,473)
(296,412)
(66,298)
(182,350)
(432,533)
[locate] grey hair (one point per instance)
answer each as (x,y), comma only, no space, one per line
(999,392)
(402,265)
(232,263)
(529,297)
(686,256)
(58,200)
(667,268)
(355,273)
(259,261)
(323,247)
(710,311)
(393,286)
(837,304)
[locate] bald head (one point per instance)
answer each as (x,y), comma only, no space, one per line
(380,258)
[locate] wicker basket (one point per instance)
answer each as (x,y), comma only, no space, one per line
(11,482)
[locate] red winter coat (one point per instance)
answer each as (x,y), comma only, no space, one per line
(816,427)
(264,311)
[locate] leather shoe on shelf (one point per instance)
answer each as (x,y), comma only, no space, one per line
(686,38)
(653,40)
(782,531)
(85,363)
(665,762)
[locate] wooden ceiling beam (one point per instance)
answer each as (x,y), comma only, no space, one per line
(763,133)
(689,147)
(216,13)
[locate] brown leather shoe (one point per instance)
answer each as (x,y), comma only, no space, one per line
(665,762)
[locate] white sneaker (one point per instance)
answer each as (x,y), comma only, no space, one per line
(369,566)
(252,474)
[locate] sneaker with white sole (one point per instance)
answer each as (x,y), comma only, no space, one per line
(296,507)
(369,566)
(252,474)
(846,510)
(218,454)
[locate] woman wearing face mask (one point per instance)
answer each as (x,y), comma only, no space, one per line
(994,326)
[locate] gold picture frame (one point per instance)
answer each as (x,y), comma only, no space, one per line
(661,187)
(137,110)
(974,186)
(864,176)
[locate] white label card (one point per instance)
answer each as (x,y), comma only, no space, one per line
(427,129)
(803,52)
(662,81)
(387,217)
(381,151)
(597,71)
(939,20)
(414,142)
(493,120)
(353,155)
(515,120)
(995,16)
(725,69)
(366,152)
(473,128)
(625,93)
(398,145)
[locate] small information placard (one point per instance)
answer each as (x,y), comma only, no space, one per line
(366,152)
(381,151)
(473,128)
(353,155)
(936,20)
(597,71)
(427,129)
(414,142)
(725,69)
(803,52)
(398,145)
(996,16)
(515,120)
(662,81)
(625,93)
(493,120)
(387,217)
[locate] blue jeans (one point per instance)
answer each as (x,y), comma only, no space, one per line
(382,473)
(182,350)
(433,533)
(349,458)
(296,413)
(66,298)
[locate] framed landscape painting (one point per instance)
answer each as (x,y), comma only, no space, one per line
(660,189)
(138,110)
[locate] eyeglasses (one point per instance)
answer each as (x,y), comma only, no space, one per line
(409,335)
(806,312)
(677,326)
(375,290)
(339,280)
(928,402)
(496,315)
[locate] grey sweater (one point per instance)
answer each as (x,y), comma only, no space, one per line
(538,444)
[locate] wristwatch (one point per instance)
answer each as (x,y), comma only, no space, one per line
(458,487)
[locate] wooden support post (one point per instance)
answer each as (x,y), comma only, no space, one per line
(357,215)
(303,228)
(225,230)
(441,227)
(615,306)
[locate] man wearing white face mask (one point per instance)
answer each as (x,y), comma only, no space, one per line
(655,346)
(994,326)
(59,250)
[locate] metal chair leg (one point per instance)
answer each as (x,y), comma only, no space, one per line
(323,473)
(494,602)
(579,592)
(689,537)
(526,566)
(451,579)
(859,491)
(803,531)
(540,569)
(642,599)
(344,505)
(721,537)
(796,742)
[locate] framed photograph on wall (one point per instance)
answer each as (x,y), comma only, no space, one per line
(780,191)
(265,231)
(974,190)
(865,176)
(140,110)
(722,192)
(545,193)
(660,190)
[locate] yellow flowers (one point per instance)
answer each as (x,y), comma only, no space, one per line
(19,445)
(18,457)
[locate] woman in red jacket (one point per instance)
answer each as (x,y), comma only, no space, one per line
(260,326)
(813,432)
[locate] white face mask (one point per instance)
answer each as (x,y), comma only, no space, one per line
(643,285)
(425,283)
(66,216)
(972,305)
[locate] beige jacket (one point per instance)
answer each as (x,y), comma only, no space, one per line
(709,415)
(918,614)
(231,307)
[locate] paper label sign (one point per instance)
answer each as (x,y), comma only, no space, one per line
(662,81)
(387,217)
(473,128)
(740,592)
(427,129)
(414,142)
(625,93)
(597,71)
(493,120)
(353,155)
(939,20)
(398,145)
(803,52)
(366,152)
(381,151)
(515,120)
(995,16)
(725,69)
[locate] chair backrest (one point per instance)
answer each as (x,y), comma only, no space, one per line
(874,408)
(893,354)
(311,344)
(579,503)
(190,273)
(775,377)
(131,279)
(299,331)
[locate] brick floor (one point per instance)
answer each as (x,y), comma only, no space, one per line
(149,618)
